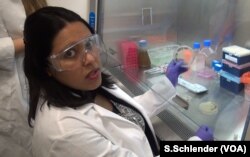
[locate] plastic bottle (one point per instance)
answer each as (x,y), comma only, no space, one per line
(199,58)
(208,52)
(144,61)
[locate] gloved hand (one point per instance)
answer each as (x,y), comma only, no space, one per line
(205,133)
(174,69)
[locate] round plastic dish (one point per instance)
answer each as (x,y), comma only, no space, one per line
(208,108)
(186,53)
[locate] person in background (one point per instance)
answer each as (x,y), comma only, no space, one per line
(15,134)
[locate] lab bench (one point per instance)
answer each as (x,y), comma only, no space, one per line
(223,111)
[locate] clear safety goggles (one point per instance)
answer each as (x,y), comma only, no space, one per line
(75,55)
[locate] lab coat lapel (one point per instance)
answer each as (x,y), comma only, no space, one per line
(113,125)
(102,113)
(108,114)
(125,97)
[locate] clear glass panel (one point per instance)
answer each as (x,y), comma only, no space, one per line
(166,23)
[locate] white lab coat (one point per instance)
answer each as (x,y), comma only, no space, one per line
(15,134)
(92,131)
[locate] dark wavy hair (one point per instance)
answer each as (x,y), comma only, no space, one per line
(40,29)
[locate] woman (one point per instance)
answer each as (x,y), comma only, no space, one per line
(15,134)
(75,108)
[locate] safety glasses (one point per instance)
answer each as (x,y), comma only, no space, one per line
(75,55)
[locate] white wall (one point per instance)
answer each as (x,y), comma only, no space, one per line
(81,7)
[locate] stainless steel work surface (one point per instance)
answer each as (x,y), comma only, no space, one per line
(227,121)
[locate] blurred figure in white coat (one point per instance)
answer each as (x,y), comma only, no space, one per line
(75,107)
(15,134)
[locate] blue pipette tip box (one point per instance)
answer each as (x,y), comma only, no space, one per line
(230,82)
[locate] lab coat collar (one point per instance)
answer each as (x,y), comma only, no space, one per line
(106,113)
(116,91)
(125,97)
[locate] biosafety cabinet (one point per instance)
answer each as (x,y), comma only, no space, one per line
(166,25)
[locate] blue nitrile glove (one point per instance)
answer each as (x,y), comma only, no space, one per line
(174,69)
(205,133)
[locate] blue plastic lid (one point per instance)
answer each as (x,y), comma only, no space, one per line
(217,67)
(196,45)
(207,43)
(215,62)
(143,43)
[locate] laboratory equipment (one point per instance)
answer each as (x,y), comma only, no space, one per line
(208,108)
(185,53)
(245,78)
(143,58)
(235,69)
(230,82)
(236,54)
(180,22)
(156,70)
(208,51)
(162,55)
(198,62)
(129,54)
(235,63)
(193,87)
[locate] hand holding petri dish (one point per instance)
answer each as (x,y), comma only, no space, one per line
(184,53)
